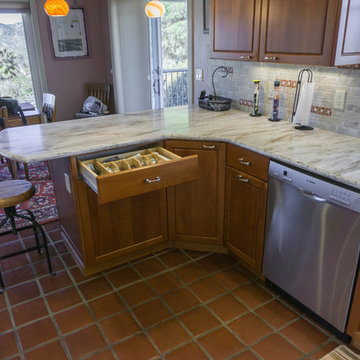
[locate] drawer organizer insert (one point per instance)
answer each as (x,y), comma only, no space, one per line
(118,176)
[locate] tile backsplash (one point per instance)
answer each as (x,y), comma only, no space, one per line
(239,87)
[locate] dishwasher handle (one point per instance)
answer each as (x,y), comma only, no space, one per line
(311,195)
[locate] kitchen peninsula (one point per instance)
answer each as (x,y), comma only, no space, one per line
(106,223)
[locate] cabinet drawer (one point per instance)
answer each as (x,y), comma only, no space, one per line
(119,176)
(247,161)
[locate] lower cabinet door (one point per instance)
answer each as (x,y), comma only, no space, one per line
(245,208)
(119,228)
(196,208)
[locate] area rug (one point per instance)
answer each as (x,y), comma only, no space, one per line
(43,203)
(342,352)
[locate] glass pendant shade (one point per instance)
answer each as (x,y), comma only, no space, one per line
(154,9)
(56,7)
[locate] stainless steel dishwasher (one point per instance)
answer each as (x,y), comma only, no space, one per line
(312,242)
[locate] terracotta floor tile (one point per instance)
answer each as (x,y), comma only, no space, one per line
(14,262)
(106,305)
(138,347)
(174,258)
(8,345)
(95,288)
(250,328)
(168,335)
(23,292)
(231,278)
(69,260)
(151,313)
(199,320)
(79,276)
(227,308)
(275,347)
(213,263)
(195,254)
(324,350)
(190,351)
(276,314)
(246,355)
(119,327)
(180,300)
(72,319)
(190,273)
(220,344)
(8,238)
(57,282)
(123,277)
(61,247)
(164,283)
(41,267)
(29,311)
(5,322)
(2,301)
(85,342)
(37,333)
(304,335)
(252,295)
(104,355)
(149,267)
(53,351)
(63,299)
(207,289)
(18,276)
(137,293)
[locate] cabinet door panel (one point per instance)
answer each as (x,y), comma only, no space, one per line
(245,217)
(298,31)
(196,208)
(235,28)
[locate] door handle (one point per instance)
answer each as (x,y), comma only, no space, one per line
(151,181)
(242,179)
(209,147)
(243,162)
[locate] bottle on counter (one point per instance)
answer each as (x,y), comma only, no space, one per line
(255,111)
(275,109)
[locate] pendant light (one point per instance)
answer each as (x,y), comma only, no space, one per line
(56,7)
(154,9)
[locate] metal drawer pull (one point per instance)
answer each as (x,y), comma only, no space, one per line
(241,178)
(270,58)
(243,162)
(245,57)
(149,181)
(210,147)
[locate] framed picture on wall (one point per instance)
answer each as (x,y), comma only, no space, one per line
(68,34)
(206,9)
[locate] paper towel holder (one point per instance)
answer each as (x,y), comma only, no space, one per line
(297,95)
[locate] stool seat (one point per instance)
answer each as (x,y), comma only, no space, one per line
(13,192)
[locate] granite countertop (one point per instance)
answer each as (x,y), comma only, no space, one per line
(322,152)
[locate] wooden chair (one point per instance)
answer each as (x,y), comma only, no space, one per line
(100,91)
(9,163)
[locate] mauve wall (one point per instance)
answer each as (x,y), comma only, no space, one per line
(67,77)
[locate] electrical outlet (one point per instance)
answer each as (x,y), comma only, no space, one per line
(199,75)
(67,183)
(339,99)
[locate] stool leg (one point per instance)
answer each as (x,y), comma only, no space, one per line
(10,213)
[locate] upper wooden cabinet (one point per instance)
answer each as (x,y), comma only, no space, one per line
(235,29)
(321,32)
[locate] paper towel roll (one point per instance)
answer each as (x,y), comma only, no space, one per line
(302,115)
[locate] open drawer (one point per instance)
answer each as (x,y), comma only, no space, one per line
(119,176)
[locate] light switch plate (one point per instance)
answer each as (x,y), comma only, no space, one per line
(199,75)
(67,183)
(339,99)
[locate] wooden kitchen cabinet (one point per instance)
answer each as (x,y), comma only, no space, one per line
(322,32)
(245,205)
(235,26)
(196,209)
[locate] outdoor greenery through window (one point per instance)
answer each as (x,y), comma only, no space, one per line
(15,75)
(174,30)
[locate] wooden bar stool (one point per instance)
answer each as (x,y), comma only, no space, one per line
(12,193)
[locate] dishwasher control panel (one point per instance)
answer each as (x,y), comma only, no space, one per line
(321,189)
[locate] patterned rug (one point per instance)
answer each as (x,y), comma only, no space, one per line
(342,352)
(43,203)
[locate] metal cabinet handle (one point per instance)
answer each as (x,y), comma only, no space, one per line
(209,147)
(243,162)
(149,181)
(242,179)
(245,57)
(270,58)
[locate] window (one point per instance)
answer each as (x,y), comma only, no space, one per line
(22,74)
